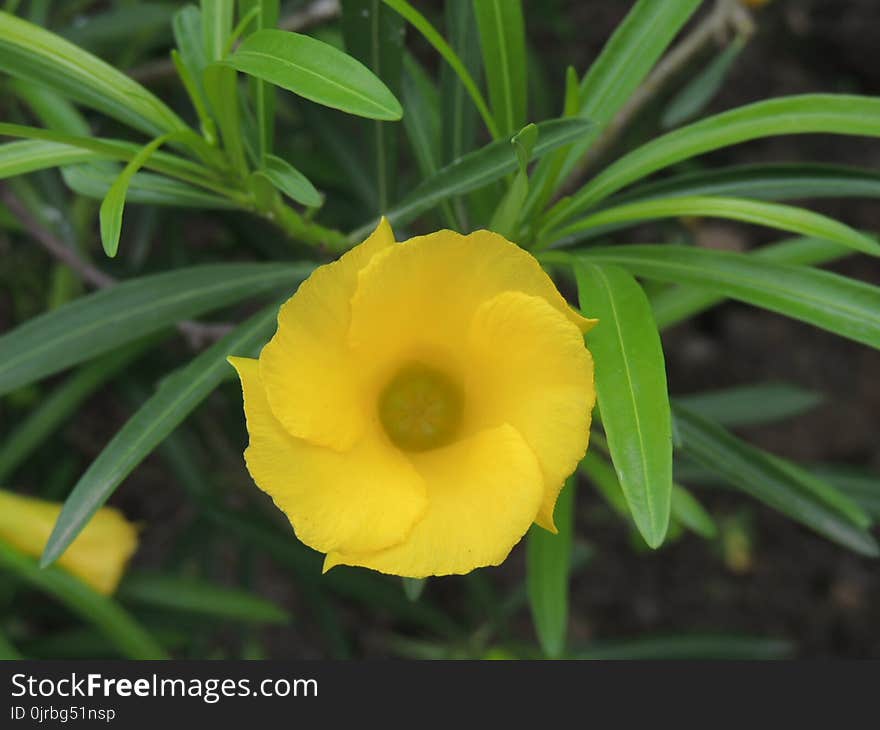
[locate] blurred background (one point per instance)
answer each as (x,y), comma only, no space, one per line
(763,587)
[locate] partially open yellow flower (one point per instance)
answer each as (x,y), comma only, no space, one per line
(99,554)
(421,403)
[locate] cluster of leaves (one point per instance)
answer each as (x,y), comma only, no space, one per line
(231,60)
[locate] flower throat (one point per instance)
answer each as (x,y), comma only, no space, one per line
(420,408)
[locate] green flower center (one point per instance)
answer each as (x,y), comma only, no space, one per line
(421,408)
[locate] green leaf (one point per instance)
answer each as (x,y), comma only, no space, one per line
(221,90)
(632,393)
(696,646)
(95,181)
(317,71)
(217,17)
(772,481)
(502,40)
(38,56)
(102,612)
(198,597)
(774,215)
(422,116)
(701,89)
(291,181)
(374,35)
(625,61)
(506,218)
(690,513)
(748,405)
(475,170)
(421,24)
(810,113)
(783,181)
(18,158)
(673,304)
(111,207)
(548,567)
(684,508)
(458,115)
(52,109)
(829,301)
(177,396)
(99,322)
(264,94)
(861,487)
(59,405)
(414,587)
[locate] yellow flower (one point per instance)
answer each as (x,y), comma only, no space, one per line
(421,403)
(99,554)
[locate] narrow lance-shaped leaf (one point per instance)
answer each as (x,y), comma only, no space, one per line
(632,393)
(36,55)
(778,181)
(129,637)
(784,217)
(19,158)
(198,597)
(767,479)
(475,170)
(107,319)
(810,113)
(291,181)
(420,23)
(832,302)
(373,34)
(751,404)
(548,566)
(502,39)
(114,202)
(317,71)
(174,400)
(626,59)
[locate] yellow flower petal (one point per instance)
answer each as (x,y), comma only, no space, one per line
(309,380)
(528,367)
(363,500)
(483,493)
(100,552)
(420,296)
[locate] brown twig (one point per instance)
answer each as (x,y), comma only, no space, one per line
(726,15)
(311,15)
(197,333)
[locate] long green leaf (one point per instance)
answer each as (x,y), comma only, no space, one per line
(548,566)
(95,181)
(102,321)
(625,61)
(502,39)
(317,71)
(632,393)
(174,400)
(774,215)
(263,93)
(39,56)
(697,646)
(199,597)
(477,169)
(102,612)
(700,90)
(422,118)
(771,481)
(751,404)
(810,113)
(840,305)
(374,35)
(458,115)
(673,304)
(860,486)
(217,17)
(781,181)
(291,181)
(110,214)
(18,158)
(420,23)
(59,405)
